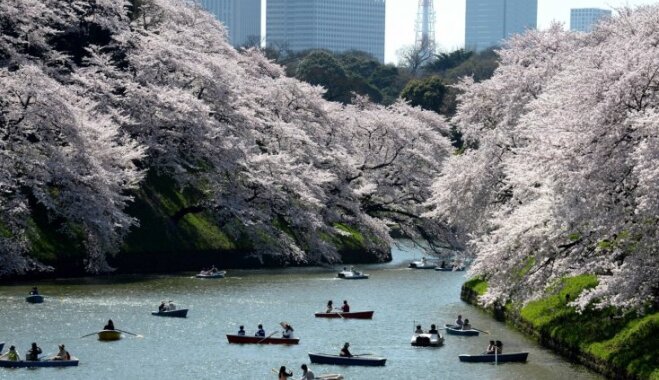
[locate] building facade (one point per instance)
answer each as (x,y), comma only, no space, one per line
(242,19)
(335,25)
(584,19)
(489,22)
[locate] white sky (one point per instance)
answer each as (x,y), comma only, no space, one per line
(401,17)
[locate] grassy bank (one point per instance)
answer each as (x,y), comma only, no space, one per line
(626,343)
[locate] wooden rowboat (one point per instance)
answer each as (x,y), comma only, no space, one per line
(4,363)
(344,360)
(349,315)
(450,269)
(456,330)
(352,275)
(422,264)
(491,358)
(218,274)
(244,339)
(427,340)
(34,298)
(180,313)
(109,335)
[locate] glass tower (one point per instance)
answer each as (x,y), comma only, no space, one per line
(335,25)
(242,19)
(488,22)
(583,19)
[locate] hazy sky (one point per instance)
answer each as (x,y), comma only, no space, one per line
(401,16)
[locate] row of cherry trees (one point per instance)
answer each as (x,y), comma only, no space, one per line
(94,94)
(560,173)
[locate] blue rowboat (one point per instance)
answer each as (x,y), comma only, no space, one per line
(491,358)
(4,363)
(456,330)
(35,298)
(180,313)
(362,360)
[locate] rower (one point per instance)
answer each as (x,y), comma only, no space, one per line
(345,308)
(260,331)
(307,374)
(34,291)
(162,307)
(33,353)
(466,325)
(344,351)
(109,326)
(499,346)
(11,355)
(458,322)
(491,348)
(288,331)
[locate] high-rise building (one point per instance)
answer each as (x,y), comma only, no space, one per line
(489,22)
(335,25)
(583,19)
(242,19)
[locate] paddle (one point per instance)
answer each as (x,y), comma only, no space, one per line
(267,337)
(363,355)
(84,336)
(130,333)
(483,331)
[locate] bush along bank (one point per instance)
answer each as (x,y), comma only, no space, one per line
(616,344)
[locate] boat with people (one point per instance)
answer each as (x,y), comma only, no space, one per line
(513,357)
(179,313)
(457,330)
(422,264)
(361,360)
(211,274)
(426,340)
(109,335)
(5,363)
(34,298)
(352,274)
(244,339)
(346,315)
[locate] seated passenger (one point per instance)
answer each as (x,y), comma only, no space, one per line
(499,347)
(62,354)
(433,330)
(288,331)
(466,325)
(260,331)
(491,348)
(458,322)
(418,330)
(345,308)
(242,330)
(330,306)
(33,353)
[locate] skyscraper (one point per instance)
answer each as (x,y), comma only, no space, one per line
(241,17)
(335,25)
(583,19)
(488,22)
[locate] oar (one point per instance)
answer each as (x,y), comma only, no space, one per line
(363,355)
(339,311)
(94,333)
(483,331)
(130,333)
(267,337)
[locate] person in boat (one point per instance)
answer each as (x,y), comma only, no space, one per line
(491,348)
(62,354)
(345,308)
(433,330)
(171,306)
(418,330)
(330,306)
(109,326)
(288,331)
(466,325)
(162,307)
(443,264)
(213,270)
(260,331)
(345,352)
(307,374)
(33,353)
(11,355)
(283,374)
(459,322)
(34,291)
(499,346)
(242,330)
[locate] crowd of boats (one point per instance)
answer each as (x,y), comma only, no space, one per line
(420,338)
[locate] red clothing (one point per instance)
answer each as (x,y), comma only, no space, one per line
(345,308)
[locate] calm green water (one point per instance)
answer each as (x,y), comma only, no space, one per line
(196,347)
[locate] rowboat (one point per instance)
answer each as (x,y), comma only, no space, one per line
(109,335)
(180,313)
(329,376)
(205,274)
(422,264)
(456,330)
(450,269)
(344,360)
(491,358)
(352,275)
(34,298)
(427,340)
(4,363)
(349,315)
(244,339)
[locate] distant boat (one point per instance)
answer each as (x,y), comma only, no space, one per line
(427,340)
(329,376)
(34,298)
(352,275)
(209,274)
(4,363)
(422,264)
(362,360)
(108,335)
(491,358)
(456,330)
(349,315)
(245,339)
(450,268)
(180,313)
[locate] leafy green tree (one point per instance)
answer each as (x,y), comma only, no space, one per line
(428,93)
(322,68)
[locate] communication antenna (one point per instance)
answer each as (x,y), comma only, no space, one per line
(425,26)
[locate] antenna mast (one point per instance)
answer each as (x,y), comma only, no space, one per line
(425,26)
